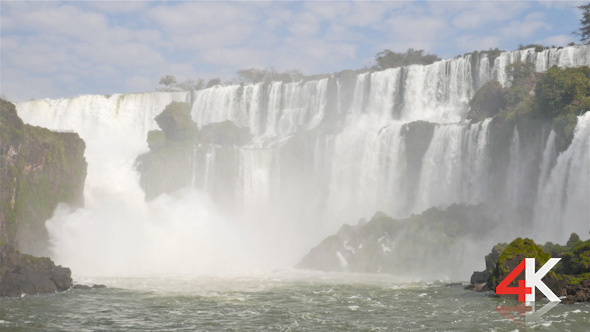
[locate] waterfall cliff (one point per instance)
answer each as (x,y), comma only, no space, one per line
(337,149)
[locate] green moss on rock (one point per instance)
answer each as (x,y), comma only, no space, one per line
(570,278)
(512,256)
(39,169)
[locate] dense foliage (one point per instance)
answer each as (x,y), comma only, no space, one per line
(558,96)
(563,91)
(487,101)
(569,279)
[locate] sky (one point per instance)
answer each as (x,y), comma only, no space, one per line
(56,49)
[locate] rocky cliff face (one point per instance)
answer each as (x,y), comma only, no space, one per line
(429,244)
(180,149)
(38,170)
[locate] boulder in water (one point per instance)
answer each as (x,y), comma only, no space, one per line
(25,274)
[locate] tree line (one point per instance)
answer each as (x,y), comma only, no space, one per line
(383,60)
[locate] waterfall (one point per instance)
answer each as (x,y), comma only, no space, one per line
(455,166)
(324,152)
(563,199)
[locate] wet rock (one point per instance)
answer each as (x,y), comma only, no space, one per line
(98,286)
(61,277)
(479,277)
(15,284)
(25,274)
(78,286)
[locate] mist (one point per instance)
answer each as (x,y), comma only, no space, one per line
(324,153)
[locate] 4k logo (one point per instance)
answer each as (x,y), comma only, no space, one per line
(526,288)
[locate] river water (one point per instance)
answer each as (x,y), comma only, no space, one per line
(280,301)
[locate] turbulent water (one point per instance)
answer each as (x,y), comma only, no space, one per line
(283,301)
(325,152)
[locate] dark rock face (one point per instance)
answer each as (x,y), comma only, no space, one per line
(25,274)
(479,277)
(577,293)
(78,286)
(39,169)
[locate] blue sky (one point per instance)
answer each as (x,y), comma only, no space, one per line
(63,49)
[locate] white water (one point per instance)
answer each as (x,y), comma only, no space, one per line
(563,203)
(284,208)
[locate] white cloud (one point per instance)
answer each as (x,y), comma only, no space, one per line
(417,32)
(125,46)
(557,40)
(520,29)
(117,7)
(139,83)
(476,42)
(478,14)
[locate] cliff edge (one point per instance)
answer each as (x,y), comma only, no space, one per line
(39,169)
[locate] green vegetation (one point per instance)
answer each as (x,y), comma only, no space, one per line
(512,255)
(487,101)
(563,91)
(573,268)
(388,59)
(168,80)
(556,93)
(556,97)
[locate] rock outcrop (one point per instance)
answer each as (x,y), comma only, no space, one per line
(180,149)
(570,279)
(39,169)
(25,274)
(425,244)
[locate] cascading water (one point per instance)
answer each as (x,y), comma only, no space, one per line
(564,192)
(324,152)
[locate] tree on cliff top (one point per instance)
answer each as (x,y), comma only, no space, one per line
(388,59)
(584,31)
(168,80)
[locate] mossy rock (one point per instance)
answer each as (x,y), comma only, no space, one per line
(156,140)
(176,122)
(512,256)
